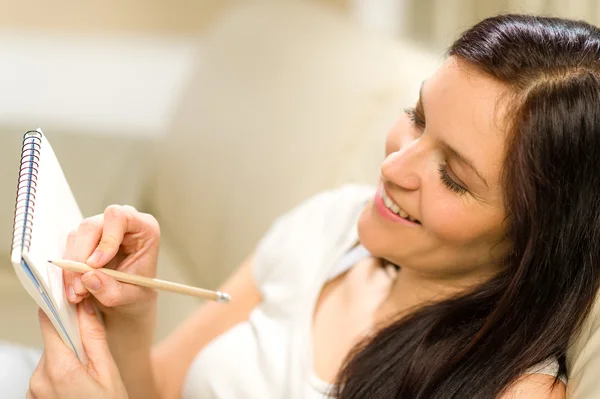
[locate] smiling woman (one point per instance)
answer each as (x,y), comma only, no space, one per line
(495,161)
(463,274)
(435,159)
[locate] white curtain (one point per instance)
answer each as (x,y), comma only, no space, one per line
(436,23)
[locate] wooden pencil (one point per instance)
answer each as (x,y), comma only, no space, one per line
(146,281)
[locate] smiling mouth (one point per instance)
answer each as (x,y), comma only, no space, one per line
(392,206)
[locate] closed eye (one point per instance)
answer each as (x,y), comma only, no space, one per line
(449,182)
(416,117)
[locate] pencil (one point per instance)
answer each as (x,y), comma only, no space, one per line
(146,281)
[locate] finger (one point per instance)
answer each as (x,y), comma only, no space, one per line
(74,289)
(120,221)
(87,237)
(55,350)
(116,224)
(67,275)
(110,292)
(39,383)
(93,337)
(42,395)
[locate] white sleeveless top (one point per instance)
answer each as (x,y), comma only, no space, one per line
(270,354)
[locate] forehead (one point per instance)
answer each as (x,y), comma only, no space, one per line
(466,109)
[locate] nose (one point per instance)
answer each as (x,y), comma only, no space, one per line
(403,167)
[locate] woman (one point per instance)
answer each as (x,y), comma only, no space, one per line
(463,275)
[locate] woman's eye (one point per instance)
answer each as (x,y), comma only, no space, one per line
(415,117)
(449,182)
(418,120)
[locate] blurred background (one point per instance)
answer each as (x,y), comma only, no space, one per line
(216,116)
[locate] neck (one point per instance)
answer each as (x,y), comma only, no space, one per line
(412,289)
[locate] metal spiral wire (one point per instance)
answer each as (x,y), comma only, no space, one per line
(26,189)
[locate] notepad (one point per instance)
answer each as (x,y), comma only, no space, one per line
(45,213)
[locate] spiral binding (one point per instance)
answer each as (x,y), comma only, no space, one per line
(26,189)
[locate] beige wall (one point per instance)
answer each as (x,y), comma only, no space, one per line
(115,16)
(436,23)
(158,16)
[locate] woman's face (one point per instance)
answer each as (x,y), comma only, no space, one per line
(443,169)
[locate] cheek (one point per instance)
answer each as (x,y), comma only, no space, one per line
(455,222)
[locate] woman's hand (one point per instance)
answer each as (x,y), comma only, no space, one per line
(127,240)
(60,374)
(123,239)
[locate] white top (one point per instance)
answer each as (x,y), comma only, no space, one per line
(270,354)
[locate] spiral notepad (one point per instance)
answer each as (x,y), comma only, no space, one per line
(45,212)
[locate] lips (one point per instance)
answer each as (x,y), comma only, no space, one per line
(395,208)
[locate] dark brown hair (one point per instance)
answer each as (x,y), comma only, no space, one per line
(475,345)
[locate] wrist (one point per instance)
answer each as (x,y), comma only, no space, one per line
(131,322)
(139,315)
(130,330)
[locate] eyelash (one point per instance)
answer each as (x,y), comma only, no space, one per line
(419,121)
(415,117)
(448,182)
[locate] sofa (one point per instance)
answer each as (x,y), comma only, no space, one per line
(285,99)
(280,101)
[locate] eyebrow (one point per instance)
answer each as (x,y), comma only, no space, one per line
(453,152)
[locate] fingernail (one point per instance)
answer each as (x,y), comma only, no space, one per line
(78,285)
(72,294)
(88,305)
(92,282)
(95,258)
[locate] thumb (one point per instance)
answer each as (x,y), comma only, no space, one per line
(93,337)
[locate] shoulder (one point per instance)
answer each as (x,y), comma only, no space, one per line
(333,203)
(535,386)
(294,250)
(328,213)
(539,381)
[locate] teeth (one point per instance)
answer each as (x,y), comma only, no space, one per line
(394,207)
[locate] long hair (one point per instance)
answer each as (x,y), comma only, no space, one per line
(476,344)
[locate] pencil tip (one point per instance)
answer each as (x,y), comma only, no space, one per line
(223,297)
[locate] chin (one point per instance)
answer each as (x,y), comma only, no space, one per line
(379,240)
(371,233)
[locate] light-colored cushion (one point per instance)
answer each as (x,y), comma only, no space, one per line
(583,359)
(289,99)
(173,308)
(17,310)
